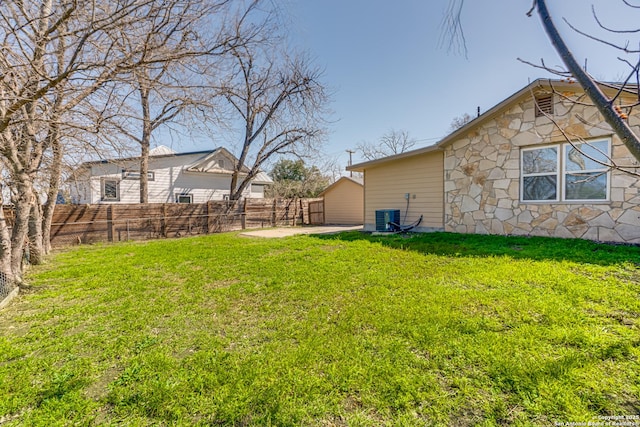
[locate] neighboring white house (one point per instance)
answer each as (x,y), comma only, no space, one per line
(195,177)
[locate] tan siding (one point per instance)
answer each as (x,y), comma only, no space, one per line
(421,176)
(344,203)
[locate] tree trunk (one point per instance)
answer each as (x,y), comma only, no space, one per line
(234,183)
(19,234)
(52,193)
(144,172)
(36,244)
(145,142)
(5,249)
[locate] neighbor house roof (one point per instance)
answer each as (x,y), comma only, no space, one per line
(161,150)
(204,163)
(564,85)
(209,163)
(158,152)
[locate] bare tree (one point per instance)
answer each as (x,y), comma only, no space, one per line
(56,55)
(605,105)
(179,39)
(459,121)
(608,106)
(278,99)
(392,142)
(452,34)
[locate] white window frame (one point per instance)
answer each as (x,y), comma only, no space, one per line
(103,195)
(604,170)
(556,173)
(179,196)
(562,172)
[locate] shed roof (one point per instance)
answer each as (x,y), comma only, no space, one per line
(355,180)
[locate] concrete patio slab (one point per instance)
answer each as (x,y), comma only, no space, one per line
(292,231)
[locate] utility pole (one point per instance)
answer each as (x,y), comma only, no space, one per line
(350,154)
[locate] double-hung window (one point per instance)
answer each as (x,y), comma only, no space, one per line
(110,190)
(565,172)
(540,173)
(585,176)
(184,198)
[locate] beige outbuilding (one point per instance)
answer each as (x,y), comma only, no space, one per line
(344,202)
(411,183)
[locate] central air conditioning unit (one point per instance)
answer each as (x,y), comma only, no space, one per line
(384,217)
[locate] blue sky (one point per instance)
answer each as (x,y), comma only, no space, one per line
(384,63)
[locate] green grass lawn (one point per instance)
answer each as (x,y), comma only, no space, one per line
(436,329)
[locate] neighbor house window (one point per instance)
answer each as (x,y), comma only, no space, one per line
(110,190)
(544,105)
(184,198)
(565,172)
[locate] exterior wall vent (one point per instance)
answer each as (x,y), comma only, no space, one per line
(385,216)
(544,105)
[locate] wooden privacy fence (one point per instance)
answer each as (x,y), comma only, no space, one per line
(316,212)
(75,224)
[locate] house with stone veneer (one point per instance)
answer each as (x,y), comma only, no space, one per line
(512,171)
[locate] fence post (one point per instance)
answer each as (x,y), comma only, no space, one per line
(208,206)
(296,213)
(163,221)
(110,223)
(243,215)
(273,212)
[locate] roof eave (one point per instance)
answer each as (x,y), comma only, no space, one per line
(336,183)
(129,159)
(487,115)
(360,167)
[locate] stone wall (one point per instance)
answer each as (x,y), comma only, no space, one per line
(482,178)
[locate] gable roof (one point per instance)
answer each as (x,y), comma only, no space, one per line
(161,150)
(211,163)
(358,181)
(532,87)
(262,178)
(160,153)
(205,163)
